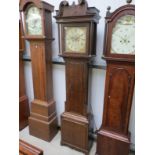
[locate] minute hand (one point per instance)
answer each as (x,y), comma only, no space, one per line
(119,37)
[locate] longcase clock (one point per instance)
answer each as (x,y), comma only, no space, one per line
(37,23)
(113,137)
(23,99)
(77,25)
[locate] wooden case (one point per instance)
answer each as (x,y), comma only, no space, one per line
(76,120)
(113,138)
(43,119)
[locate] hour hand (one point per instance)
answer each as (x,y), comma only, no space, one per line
(119,36)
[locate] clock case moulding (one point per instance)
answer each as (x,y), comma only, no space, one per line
(28,149)
(43,118)
(113,137)
(76,121)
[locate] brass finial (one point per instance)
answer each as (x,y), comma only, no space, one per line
(65,2)
(129,1)
(108,8)
(81,1)
(73,4)
(108,11)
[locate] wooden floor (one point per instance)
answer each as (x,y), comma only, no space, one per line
(53,147)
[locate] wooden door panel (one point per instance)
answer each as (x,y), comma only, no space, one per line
(38,68)
(76,86)
(117,101)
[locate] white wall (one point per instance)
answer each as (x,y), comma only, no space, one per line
(97,77)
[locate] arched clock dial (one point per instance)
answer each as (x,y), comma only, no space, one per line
(33,21)
(75,39)
(123,36)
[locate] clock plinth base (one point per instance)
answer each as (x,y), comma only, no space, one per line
(43,120)
(75,132)
(110,143)
(23,112)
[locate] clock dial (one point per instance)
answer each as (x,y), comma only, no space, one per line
(75,39)
(123,36)
(33,21)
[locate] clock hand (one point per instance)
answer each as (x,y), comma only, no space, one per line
(125,39)
(122,40)
(119,36)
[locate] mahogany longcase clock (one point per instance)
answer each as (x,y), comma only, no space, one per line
(113,137)
(23,99)
(77,25)
(37,21)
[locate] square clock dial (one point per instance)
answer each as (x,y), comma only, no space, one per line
(123,36)
(33,21)
(75,39)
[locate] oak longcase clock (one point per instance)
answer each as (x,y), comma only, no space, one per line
(113,138)
(37,23)
(77,26)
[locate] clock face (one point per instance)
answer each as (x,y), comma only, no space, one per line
(75,39)
(33,21)
(123,36)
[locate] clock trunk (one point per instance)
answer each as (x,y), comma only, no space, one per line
(76,119)
(113,136)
